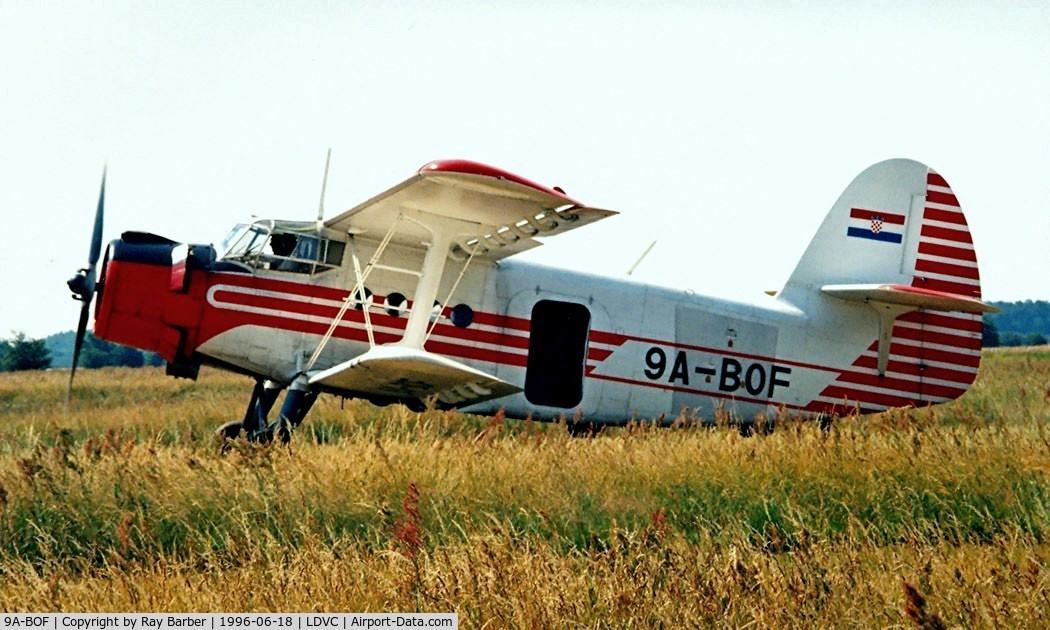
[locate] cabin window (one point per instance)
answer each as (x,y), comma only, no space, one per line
(557,353)
(282,246)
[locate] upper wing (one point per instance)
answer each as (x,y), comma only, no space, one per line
(505,213)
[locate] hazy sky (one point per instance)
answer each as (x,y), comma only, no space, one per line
(724,132)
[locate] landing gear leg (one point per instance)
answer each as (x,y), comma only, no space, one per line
(255,418)
(264,394)
(296,405)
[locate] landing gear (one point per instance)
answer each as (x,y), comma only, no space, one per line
(297,404)
(255,426)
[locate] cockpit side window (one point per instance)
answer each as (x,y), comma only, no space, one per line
(265,245)
(334,253)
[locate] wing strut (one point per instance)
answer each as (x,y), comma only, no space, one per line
(359,290)
(452,291)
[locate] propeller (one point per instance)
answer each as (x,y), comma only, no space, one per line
(83,284)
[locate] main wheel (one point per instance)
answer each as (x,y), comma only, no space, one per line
(230,430)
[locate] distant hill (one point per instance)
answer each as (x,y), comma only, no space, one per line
(96,352)
(61,347)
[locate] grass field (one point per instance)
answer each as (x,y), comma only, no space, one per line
(126,502)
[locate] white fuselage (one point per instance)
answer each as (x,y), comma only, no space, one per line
(647,352)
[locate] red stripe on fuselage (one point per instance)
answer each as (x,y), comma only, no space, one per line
(934,231)
(946,269)
(940,356)
(905,387)
(969,323)
(862,396)
(916,369)
(957,288)
(945,216)
(933,178)
(943,339)
(946,251)
(936,196)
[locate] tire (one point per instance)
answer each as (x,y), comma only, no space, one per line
(230,430)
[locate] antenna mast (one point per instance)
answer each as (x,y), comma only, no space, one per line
(641,258)
(324,186)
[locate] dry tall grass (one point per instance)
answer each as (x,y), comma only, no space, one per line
(931,516)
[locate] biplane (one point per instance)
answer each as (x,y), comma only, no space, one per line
(415,297)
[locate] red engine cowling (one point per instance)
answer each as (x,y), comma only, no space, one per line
(151,294)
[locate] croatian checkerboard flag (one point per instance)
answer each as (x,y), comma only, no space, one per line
(876,225)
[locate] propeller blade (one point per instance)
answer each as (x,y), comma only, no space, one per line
(83,284)
(96,236)
(77,345)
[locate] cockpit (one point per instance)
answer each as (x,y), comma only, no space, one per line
(288,246)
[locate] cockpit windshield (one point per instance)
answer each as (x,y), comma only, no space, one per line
(244,241)
(289,246)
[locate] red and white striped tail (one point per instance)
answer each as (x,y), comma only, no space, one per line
(934,356)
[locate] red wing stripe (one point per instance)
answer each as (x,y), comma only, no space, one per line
(923,264)
(933,231)
(887,217)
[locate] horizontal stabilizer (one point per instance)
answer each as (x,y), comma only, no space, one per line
(904,295)
(406,373)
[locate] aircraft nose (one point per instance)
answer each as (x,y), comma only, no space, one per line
(79,286)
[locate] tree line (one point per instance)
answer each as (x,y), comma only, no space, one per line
(1022,323)
(22,353)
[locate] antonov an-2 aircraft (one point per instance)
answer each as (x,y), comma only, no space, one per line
(415,297)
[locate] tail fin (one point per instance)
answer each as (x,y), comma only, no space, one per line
(897,240)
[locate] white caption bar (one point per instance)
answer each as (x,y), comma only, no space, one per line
(226,621)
